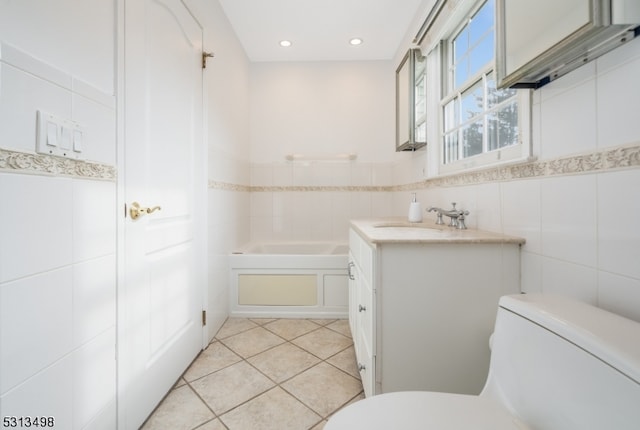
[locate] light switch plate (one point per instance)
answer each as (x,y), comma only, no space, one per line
(59,136)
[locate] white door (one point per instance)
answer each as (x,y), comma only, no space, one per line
(161,295)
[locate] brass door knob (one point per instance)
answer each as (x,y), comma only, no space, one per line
(136,211)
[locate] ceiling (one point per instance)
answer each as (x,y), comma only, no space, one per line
(320,30)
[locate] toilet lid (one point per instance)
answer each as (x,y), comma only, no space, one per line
(423,410)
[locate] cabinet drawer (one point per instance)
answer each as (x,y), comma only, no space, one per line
(367,372)
(365,313)
(362,253)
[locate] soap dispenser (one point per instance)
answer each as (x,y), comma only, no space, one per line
(415,212)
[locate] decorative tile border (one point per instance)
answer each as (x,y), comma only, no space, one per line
(609,159)
(627,156)
(25,162)
(226,186)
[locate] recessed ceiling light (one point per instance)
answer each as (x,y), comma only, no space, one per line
(356,41)
(285,43)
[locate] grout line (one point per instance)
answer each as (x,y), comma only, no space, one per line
(276,384)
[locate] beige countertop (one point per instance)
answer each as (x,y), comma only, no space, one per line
(399,230)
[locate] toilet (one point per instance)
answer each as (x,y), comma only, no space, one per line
(556,364)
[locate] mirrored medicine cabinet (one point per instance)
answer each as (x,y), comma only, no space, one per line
(411,102)
(540,41)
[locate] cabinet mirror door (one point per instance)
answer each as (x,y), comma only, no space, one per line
(411,112)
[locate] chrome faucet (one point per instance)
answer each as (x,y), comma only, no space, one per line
(457,216)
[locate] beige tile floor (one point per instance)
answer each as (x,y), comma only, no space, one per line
(263,374)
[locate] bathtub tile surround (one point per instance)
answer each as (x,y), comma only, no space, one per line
(293,211)
(295,383)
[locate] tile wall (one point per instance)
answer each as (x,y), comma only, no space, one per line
(57,216)
(577,210)
(226,108)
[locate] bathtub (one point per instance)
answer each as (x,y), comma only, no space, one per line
(290,279)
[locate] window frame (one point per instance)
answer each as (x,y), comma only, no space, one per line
(515,153)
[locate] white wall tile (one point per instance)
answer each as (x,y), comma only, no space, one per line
(26,62)
(106,419)
(618,230)
(382,174)
(341,204)
(282,228)
(261,175)
(75,37)
(283,174)
(94,298)
(262,204)
(282,203)
(568,218)
(21,97)
(322,203)
(340,229)
(303,174)
(35,324)
(360,204)
(488,207)
(340,175)
(382,205)
(361,174)
(261,228)
(100,124)
(619,294)
(94,378)
(618,114)
(568,279)
(568,82)
(94,219)
(521,212)
(569,121)
(48,393)
(35,224)
(531,272)
(619,57)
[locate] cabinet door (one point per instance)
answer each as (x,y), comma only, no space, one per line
(366,313)
(353,294)
(361,309)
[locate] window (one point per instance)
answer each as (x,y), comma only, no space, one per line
(478,118)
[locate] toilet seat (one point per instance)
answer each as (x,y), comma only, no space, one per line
(424,410)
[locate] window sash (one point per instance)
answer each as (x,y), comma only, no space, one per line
(473,109)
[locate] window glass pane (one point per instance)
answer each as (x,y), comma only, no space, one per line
(481,22)
(461,72)
(472,139)
(494,95)
(481,54)
(451,119)
(477,116)
(421,97)
(472,102)
(421,132)
(451,147)
(503,127)
(460,44)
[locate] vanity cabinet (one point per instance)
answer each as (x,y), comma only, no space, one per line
(421,312)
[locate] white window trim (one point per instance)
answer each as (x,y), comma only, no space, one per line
(521,152)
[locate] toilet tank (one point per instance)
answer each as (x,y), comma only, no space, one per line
(562,364)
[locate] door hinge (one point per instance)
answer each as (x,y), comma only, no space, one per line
(204,318)
(206,55)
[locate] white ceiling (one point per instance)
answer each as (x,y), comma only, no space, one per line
(320,30)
